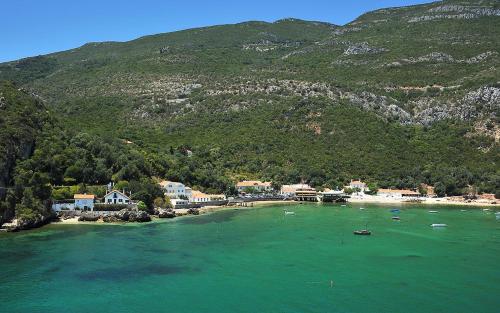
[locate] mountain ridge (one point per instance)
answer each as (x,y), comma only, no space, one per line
(384,97)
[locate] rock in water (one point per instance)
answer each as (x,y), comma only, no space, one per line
(23,223)
(111,219)
(139,216)
(166,213)
(88,218)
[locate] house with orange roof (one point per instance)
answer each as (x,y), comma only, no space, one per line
(358,184)
(201,197)
(256,185)
(174,190)
(84,202)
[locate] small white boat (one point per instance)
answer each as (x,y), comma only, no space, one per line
(361,208)
(439,225)
(486,210)
(463,210)
(433,212)
(289,212)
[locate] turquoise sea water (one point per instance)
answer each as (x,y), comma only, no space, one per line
(259,260)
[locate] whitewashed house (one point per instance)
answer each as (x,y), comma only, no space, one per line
(116,197)
(358,185)
(84,202)
(173,190)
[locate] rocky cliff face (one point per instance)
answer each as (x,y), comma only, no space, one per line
(26,223)
(22,118)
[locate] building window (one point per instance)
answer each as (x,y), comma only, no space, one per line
(120,200)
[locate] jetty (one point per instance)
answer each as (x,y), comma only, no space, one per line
(336,196)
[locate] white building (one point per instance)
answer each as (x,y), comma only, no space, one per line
(179,203)
(200,197)
(358,184)
(257,185)
(84,202)
(173,190)
(116,197)
(189,192)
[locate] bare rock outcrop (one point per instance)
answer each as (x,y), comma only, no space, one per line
(451,11)
(362,48)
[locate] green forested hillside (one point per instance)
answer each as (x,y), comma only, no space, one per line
(398,96)
(38,157)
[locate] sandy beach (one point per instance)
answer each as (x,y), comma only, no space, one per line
(424,201)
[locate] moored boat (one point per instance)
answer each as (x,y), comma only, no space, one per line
(439,225)
(363,232)
(433,211)
(396,218)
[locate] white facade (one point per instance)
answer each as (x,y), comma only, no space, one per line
(179,203)
(358,184)
(116,197)
(173,190)
(189,193)
(84,204)
(200,197)
(257,185)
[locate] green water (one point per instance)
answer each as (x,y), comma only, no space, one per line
(259,260)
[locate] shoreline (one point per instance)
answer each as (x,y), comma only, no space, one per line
(425,201)
(260,204)
(180,213)
(257,204)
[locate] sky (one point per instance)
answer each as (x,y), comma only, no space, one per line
(34,27)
